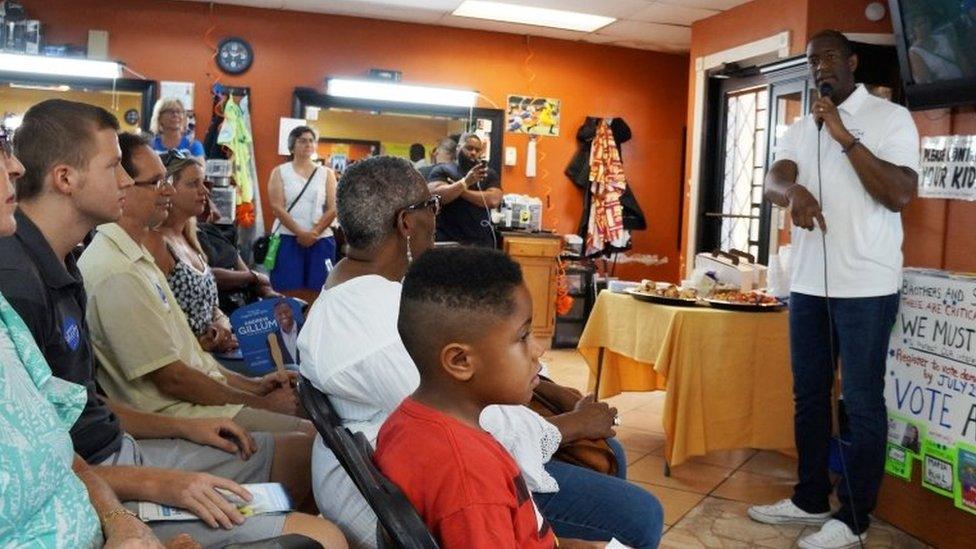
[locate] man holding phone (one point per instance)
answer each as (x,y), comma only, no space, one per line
(469,189)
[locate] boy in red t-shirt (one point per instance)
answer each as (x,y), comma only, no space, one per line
(466,320)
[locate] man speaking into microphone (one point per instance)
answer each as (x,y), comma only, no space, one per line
(844,171)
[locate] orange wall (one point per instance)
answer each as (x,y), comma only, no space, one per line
(845,16)
(748,22)
(939,233)
(166,40)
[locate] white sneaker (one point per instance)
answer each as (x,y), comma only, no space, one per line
(785,512)
(834,535)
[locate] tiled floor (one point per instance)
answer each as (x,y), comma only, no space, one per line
(705,499)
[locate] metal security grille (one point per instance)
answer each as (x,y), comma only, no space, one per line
(744,167)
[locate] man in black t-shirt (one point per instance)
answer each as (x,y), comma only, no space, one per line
(468,189)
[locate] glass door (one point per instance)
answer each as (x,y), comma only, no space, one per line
(732,201)
(787,104)
(746,117)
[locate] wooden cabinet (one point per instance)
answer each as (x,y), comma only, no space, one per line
(537,256)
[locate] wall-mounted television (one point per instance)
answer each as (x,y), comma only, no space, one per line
(936,41)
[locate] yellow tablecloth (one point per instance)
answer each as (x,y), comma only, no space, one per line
(727,374)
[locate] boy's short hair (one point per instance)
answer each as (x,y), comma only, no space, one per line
(447,284)
(54,132)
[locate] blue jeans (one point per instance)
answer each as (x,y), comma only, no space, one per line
(861,329)
(594,506)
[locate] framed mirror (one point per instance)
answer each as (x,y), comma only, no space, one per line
(348,126)
(130,100)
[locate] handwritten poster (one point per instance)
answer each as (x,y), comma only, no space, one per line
(948,167)
(930,386)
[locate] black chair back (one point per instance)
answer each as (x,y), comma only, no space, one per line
(399,526)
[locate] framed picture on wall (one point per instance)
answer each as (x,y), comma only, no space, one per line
(532,115)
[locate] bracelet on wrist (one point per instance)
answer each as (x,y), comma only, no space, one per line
(119,512)
(853,144)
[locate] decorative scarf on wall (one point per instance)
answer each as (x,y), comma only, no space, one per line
(607,184)
(236,136)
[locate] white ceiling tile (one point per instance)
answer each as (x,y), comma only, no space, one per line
(511,28)
(388,9)
(640,44)
(712,4)
(672,13)
(621,9)
(651,32)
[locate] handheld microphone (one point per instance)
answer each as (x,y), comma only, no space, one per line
(825,90)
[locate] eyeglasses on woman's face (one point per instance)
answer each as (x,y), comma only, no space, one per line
(433,202)
(177,112)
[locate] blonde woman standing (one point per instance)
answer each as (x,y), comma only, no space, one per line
(302,197)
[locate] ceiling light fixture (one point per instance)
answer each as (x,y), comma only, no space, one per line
(528,15)
(59,66)
(399,93)
(40,87)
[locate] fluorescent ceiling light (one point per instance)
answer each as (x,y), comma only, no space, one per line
(60,88)
(61,66)
(399,93)
(528,15)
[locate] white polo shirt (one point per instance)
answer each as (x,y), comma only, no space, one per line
(864,238)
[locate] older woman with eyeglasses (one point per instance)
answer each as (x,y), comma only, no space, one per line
(178,254)
(301,195)
(351,350)
(169,126)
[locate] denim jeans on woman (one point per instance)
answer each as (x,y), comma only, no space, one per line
(594,506)
(861,329)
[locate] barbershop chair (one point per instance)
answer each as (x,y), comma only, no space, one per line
(399,526)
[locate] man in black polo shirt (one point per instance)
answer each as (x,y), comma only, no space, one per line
(74,179)
(468,189)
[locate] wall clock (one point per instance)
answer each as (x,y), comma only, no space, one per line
(234,55)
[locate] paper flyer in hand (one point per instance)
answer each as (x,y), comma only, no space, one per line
(268,333)
(268,497)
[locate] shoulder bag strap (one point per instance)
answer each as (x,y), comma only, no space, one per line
(297,198)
